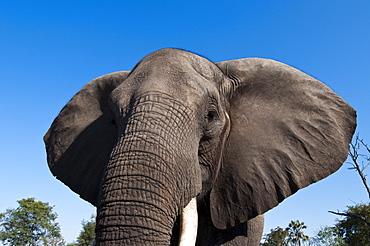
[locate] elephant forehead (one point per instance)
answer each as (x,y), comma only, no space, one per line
(152,93)
(176,68)
(168,60)
(190,88)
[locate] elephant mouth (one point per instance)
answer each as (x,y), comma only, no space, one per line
(189,224)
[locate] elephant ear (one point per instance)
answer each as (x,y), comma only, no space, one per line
(288,130)
(81,138)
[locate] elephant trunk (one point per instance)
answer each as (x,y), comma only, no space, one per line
(150,177)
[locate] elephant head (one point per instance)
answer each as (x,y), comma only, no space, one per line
(240,136)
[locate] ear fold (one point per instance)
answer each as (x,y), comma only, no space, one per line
(288,130)
(81,138)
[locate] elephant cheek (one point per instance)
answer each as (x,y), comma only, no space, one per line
(211,154)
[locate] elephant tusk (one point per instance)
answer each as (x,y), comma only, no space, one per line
(189,224)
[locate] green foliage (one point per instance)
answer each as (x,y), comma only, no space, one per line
(276,237)
(354,230)
(292,236)
(296,235)
(87,234)
(32,223)
(327,236)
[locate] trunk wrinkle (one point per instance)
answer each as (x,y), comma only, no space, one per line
(141,196)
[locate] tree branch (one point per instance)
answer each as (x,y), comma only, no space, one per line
(353,153)
(364,144)
(356,216)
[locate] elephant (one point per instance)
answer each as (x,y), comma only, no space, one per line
(184,151)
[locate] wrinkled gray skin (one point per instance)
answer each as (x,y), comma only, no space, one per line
(240,135)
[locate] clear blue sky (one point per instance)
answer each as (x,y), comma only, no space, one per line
(50,49)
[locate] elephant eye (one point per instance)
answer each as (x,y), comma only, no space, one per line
(212,115)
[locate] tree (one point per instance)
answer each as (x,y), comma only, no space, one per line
(276,237)
(32,223)
(87,234)
(356,156)
(327,236)
(355,231)
(355,227)
(296,235)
